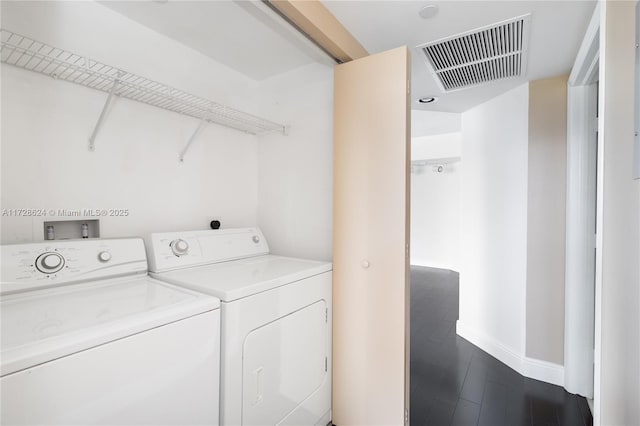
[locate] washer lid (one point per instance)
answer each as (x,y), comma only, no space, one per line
(233,280)
(39,326)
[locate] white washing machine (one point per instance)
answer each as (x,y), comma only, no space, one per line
(89,338)
(276,322)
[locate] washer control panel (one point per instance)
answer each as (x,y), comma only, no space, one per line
(36,265)
(175,250)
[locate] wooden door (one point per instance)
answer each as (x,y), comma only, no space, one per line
(371,240)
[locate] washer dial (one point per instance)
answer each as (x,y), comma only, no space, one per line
(179,247)
(49,262)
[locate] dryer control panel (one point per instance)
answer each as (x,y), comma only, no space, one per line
(176,250)
(52,263)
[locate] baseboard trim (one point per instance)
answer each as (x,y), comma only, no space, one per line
(544,371)
(529,367)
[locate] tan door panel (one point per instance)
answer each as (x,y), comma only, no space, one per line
(371,236)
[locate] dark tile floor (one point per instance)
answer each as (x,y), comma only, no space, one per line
(455,383)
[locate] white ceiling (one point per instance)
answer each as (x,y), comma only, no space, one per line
(249,38)
(242,35)
(557,28)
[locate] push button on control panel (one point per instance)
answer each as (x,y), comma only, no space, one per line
(104,256)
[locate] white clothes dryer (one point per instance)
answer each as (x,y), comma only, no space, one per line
(89,338)
(276,322)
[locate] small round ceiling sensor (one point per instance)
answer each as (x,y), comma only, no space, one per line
(428,100)
(429,11)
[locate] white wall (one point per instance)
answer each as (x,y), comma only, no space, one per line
(494,222)
(46,123)
(513,233)
(435,203)
(436,146)
(546,234)
(431,123)
(617,375)
(295,178)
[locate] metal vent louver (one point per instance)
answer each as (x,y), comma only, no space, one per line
(479,56)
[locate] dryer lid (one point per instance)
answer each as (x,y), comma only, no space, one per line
(233,280)
(39,326)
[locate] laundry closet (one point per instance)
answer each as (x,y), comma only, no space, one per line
(205,130)
(278,178)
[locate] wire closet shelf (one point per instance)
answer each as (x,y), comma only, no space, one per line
(60,64)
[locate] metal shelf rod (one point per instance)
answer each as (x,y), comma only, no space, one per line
(92,138)
(201,126)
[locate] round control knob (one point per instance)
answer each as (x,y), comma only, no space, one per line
(365,264)
(179,247)
(49,262)
(256,239)
(104,256)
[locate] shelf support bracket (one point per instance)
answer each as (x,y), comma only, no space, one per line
(201,126)
(92,138)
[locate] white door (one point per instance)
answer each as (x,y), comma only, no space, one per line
(284,364)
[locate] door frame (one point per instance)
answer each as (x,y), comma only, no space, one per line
(583,234)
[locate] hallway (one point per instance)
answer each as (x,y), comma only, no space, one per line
(455,383)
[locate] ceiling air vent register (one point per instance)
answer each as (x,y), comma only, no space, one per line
(480,56)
